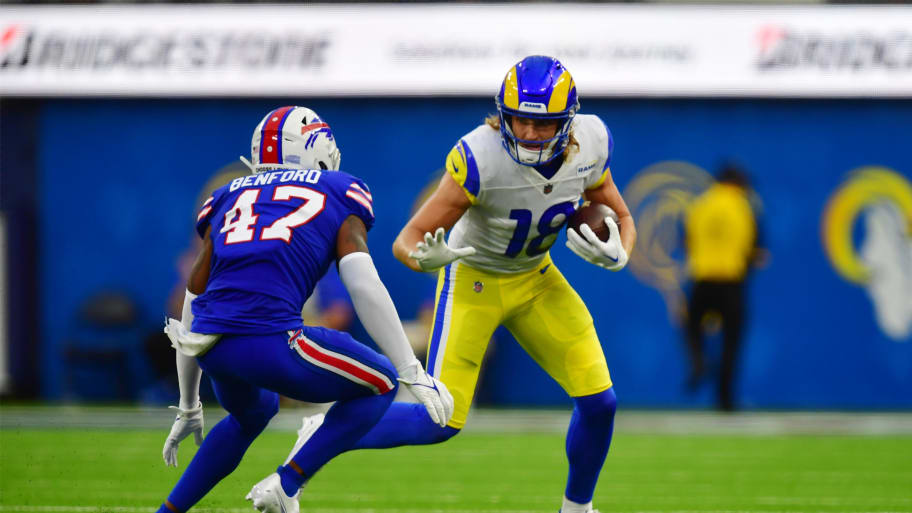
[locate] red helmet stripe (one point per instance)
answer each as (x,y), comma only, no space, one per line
(312,126)
(270,137)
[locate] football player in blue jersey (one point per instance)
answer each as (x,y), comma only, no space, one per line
(268,238)
(510,186)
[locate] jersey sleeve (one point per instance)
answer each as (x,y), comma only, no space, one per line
(360,202)
(599,173)
(204,218)
(461,165)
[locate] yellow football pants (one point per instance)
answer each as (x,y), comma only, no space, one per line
(539,307)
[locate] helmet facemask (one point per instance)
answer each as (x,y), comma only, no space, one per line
(548,150)
(537,88)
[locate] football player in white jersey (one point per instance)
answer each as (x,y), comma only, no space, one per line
(510,186)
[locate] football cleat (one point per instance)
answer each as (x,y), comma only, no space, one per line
(267,496)
(309,426)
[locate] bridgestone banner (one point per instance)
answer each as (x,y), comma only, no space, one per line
(325,50)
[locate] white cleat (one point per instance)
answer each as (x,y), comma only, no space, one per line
(308,427)
(267,496)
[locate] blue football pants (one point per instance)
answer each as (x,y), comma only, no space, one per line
(312,364)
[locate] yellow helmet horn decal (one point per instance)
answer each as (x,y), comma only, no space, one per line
(511,90)
(559,93)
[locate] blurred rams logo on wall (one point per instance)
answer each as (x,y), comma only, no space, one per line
(658,197)
(867,235)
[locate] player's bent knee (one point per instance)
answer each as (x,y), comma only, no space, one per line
(444,434)
(450,432)
(609,399)
(255,419)
(383,364)
(599,407)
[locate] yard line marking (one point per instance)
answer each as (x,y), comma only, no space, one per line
(499,421)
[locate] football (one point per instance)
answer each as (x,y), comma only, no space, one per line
(594,215)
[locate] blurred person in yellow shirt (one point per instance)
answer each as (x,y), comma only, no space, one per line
(722,245)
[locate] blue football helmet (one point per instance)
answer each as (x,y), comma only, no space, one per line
(537,87)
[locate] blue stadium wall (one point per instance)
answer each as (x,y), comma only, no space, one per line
(118,179)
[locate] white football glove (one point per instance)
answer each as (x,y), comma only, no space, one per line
(610,255)
(430,391)
(433,253)
(187,422)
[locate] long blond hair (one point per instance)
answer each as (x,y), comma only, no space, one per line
(493,121)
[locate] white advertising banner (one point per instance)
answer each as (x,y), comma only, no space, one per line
(408,49)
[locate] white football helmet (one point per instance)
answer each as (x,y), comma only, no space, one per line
(293,138)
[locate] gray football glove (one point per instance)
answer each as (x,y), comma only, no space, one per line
(434,253)
(609,255)
(187,422)
(430,391)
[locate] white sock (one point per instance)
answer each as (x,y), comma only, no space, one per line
(575,507)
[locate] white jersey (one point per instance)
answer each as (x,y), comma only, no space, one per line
(517,213)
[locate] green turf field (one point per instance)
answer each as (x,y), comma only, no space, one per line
(57,471)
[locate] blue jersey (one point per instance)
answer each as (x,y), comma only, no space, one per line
(274,236)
